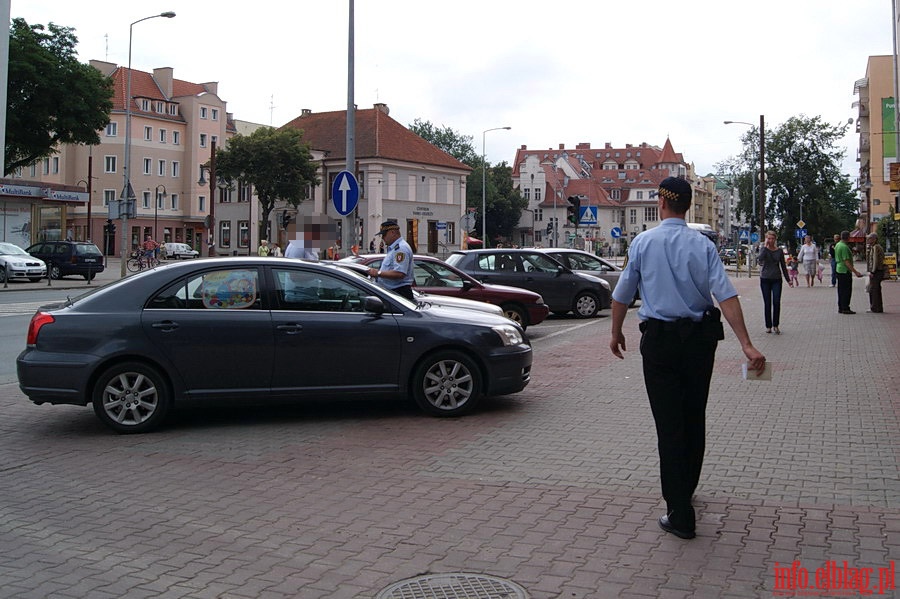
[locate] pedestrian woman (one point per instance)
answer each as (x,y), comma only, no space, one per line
(808,256)
(771,269)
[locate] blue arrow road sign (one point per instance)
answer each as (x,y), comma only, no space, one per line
(616,232)
(345,193)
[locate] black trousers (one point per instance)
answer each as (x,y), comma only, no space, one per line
(678,363)
(876,304)
(844,290)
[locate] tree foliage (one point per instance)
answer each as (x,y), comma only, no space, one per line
(52,98)
(276,162)
(504,203)
(454,143)
(803,175)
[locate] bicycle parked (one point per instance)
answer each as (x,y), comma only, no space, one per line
(142,259)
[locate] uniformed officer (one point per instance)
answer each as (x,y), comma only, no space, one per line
(678,272)
(396,271)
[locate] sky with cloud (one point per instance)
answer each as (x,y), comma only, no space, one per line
(555,72)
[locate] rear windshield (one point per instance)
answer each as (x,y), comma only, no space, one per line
(87,250)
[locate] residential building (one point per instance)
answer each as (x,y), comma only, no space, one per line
(877,140)
(401,176)
(174,124)
(617,184)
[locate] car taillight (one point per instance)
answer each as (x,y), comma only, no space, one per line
(34,327)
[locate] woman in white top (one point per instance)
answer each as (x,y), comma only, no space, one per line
(808,256)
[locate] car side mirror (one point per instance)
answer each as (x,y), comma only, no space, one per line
(467,285)
(373,304)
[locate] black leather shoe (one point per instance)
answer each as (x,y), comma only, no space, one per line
(847,312)
(669,527)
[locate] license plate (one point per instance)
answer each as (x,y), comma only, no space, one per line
(90,260)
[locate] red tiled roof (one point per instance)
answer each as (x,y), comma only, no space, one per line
(377,136)
(143,85)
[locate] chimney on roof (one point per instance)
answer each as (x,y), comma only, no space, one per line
(628,146)
(164,77)
(305,112)
(106,68)
(608,146)
(562,146)
(382,107)
(524,147)
(585,145)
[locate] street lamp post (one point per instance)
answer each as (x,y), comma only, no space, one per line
(762,173)
(127,192)
(159,196)
(214,183)
(484,185)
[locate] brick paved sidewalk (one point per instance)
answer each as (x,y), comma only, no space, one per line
(555,489)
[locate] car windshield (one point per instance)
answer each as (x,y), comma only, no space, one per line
(585,262)
(8,249)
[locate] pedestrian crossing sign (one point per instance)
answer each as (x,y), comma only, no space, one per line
(588,216)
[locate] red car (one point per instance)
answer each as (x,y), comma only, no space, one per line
(436,277)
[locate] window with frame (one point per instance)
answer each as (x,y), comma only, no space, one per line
(160,107)
(243,234)
(173,109)
(539,215)
(203,140)
(226,289)
(201,203)
(615,194)
(46,165)
(215,139)
(109,164)
(145,200)
(203,112)
(311,291)
(173,201)
(161,168)
(176,168)
(54,165)
(109,195)
(148,166)
(162,136)
(176,137)
(148,133)
(145,105)
(225,233)
(632,216)
(537,194)
(650,214)
(526,194)
(640,195)
(112,129)
(214,113)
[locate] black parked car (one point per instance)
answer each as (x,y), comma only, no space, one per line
(563,290)
(258,328)
(66,258)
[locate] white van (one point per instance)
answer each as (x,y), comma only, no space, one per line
(178,251)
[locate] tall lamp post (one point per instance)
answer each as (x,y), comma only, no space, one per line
(484,185)
(127,192)
(214,183)
(762,172)
(159,197)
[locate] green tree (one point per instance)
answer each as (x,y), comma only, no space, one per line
(276,162)
(803,177)
(52,98)
(504,204)
(454,143)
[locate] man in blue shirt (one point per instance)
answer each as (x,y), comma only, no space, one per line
(678,273)
(396,273)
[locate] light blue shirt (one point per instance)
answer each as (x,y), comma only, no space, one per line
(677,270)
(400,258)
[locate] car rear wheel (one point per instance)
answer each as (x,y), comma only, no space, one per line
(586,305)
(447,383)
(516,314)
(131,398)
(54,271)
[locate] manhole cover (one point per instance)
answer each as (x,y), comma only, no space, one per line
(453,586)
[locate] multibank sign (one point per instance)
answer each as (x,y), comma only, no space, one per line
(43,193)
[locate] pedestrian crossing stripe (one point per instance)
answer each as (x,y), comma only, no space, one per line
(588,215)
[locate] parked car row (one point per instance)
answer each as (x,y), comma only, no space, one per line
(64,258)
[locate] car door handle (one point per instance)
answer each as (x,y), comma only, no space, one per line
(291,328)
(166,325)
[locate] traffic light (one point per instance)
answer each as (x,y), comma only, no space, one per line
(549,228)
(110,227)
(573,210)
(285,219)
